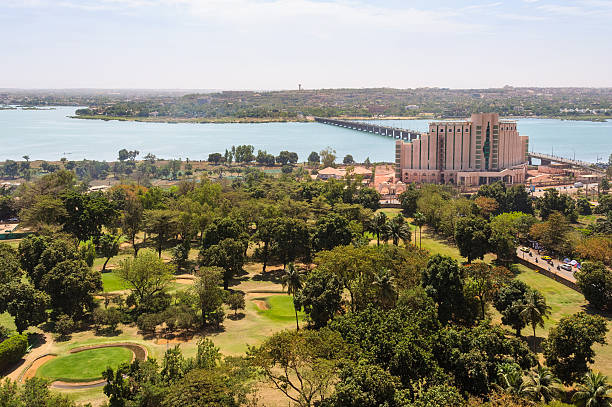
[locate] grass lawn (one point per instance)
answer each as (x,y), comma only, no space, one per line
(84,366)
(564,302)
(390,212)
(280,308)
(7,321)
(112,282)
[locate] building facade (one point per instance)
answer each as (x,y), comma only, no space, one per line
(473,152)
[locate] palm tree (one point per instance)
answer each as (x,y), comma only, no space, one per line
(398,229)
(419,220)
(293,281)
(534,310)
(511,380)
(594,391)
(386,289)
(542,386)
(378,226)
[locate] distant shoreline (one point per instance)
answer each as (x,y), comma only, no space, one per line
(235,120)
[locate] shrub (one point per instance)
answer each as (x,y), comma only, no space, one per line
(64,326)
(236,301)
(216,317)
(12,349)
(147,322)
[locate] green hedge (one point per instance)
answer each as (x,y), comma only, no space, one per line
(12,349)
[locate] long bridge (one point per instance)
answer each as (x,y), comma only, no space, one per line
(395,132)
(546,159)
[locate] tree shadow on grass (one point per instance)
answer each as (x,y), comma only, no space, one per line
(270,275)
(528,340)
(236,317)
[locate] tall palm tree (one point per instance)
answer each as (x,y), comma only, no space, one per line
(594,391)
(534,310)
(419,220)
(543,385)
(386,289)
(292,279)
(398,229)
(378,226)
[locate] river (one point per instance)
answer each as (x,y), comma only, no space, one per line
(51,134)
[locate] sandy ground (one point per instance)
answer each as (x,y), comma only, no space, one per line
(36,352)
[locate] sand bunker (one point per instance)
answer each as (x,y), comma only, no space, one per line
(31,370)
(262,305)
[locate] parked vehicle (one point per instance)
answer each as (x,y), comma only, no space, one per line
(566,267)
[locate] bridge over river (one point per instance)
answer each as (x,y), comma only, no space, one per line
(405,134)
(395,132)
(546,159)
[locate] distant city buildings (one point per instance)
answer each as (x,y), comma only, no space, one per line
(478,151)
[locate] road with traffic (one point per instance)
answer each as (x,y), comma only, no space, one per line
(568,275)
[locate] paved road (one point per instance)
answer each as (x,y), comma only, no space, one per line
(568,275)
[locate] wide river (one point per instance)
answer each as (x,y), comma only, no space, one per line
(51,134)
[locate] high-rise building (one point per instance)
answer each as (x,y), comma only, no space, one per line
(472,152)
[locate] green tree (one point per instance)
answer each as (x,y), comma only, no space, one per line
(398,230)
(379,226)
(408,200)
(553,201)
(595,282)
(348,159)
(208,290)
(485,282)
(132,219)
(420,221)
(291,239)
(9,264)
(163,224)
(509,300)
(292,280)
(314,158)
(320,298)
(569,346)
(328,157)
(330,231)
(71,285)
(553,233)
(236,301)
(109,247)
(443,282)
(147,275)
(26,304)
(534,311)
(201,387)
(472,237)
(543,385)
(303,364)
(593,391)
(87,213)
(229,255)
(365,385)
(387,292)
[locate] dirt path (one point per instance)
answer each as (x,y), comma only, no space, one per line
(37,352)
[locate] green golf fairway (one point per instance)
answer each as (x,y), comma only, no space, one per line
(84,366)
(280,308)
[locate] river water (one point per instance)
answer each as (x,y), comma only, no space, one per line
(51,134)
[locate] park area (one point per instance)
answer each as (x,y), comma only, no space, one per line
(75,366)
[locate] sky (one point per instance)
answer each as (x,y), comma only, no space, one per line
(278,44)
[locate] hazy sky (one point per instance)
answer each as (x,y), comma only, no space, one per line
(276,44)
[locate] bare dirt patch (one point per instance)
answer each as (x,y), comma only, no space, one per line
(262,305)
(31,370)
